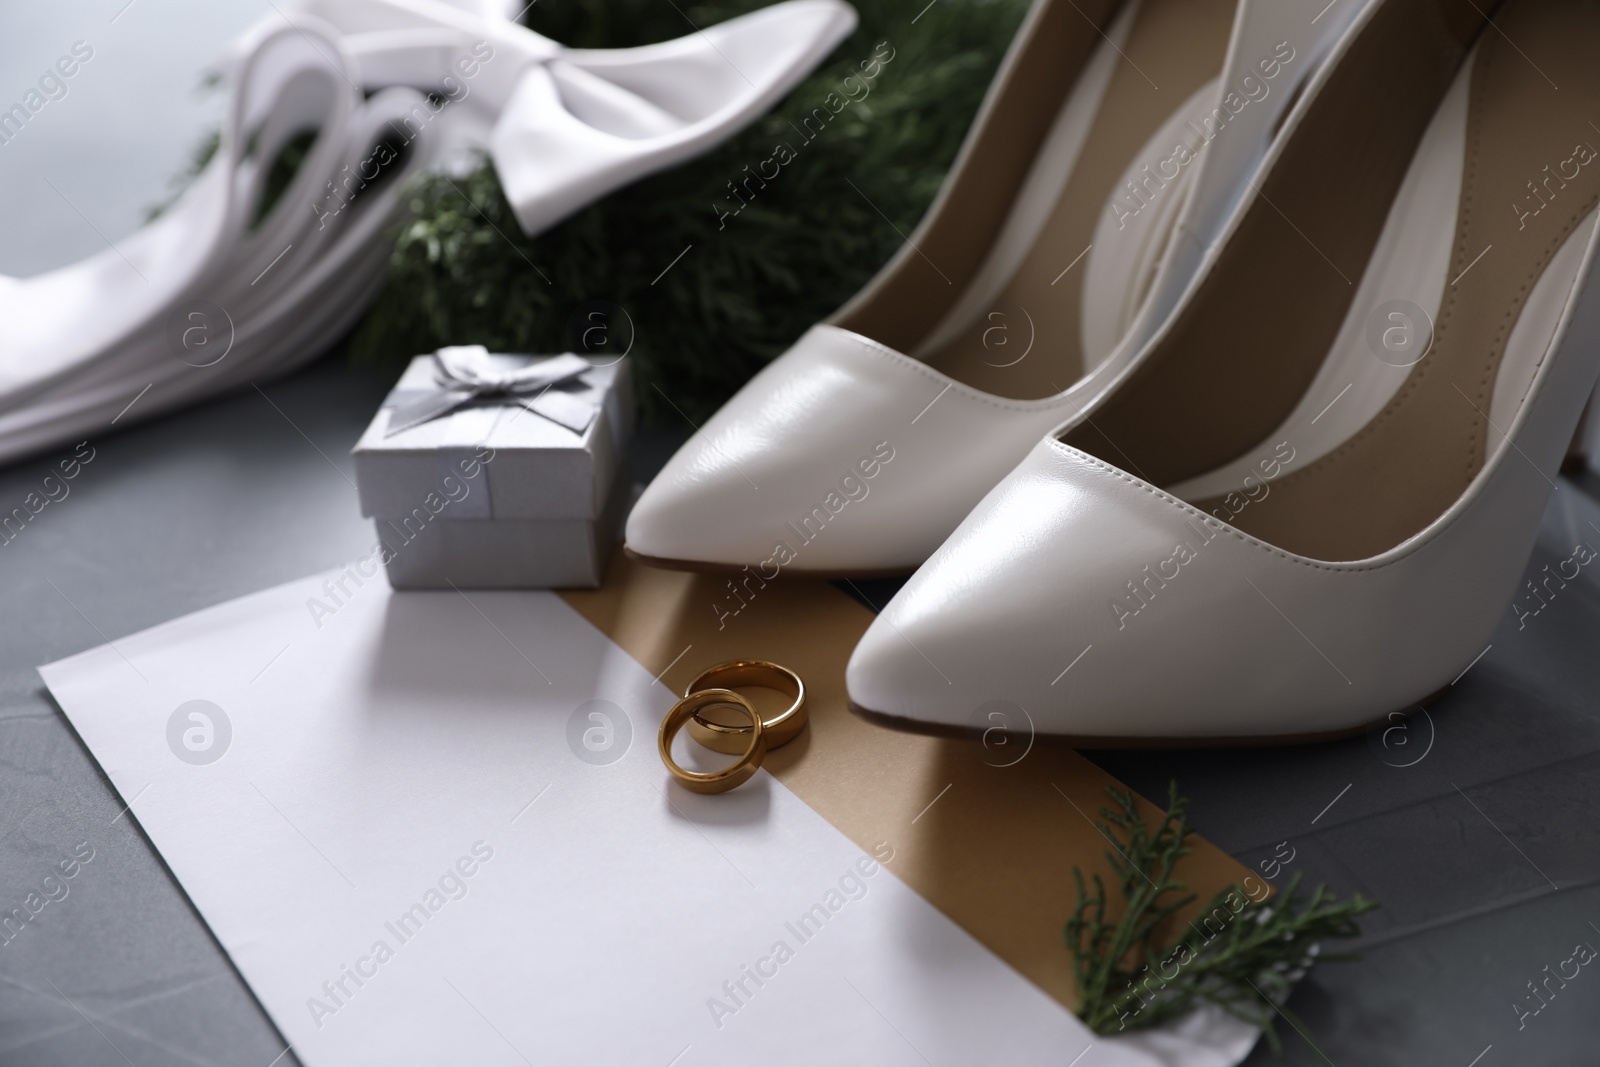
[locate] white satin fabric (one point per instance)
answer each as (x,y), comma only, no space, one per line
(210,296)
(565,126)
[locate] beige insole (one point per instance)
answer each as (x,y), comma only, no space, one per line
(1525,187)
(1239,356)
(1174,47)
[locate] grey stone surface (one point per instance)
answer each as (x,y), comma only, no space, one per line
(1476,825)
(165,519)
(1485,852)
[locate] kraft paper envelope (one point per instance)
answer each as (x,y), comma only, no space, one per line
(996,849)
(408,827)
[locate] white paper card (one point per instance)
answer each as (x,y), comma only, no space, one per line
(432,828)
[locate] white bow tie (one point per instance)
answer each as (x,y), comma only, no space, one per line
(570,125)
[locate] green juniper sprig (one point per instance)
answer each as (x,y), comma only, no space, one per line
(749,274)
(752,282)
(1241,954)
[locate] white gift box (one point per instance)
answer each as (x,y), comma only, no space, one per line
(503,491)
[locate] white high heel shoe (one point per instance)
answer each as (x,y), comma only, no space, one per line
(1357,414)
(1102,164)
(210,295)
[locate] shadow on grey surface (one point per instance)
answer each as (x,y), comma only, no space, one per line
(1485,852)
(225,498)
(1474,825)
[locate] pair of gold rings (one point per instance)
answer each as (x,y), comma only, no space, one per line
(750,741)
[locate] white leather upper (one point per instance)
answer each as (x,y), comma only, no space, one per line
(1187,627)
(777,449)
(1029,601)
(1107,608)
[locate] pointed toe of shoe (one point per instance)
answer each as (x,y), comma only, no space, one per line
(751,490)
(978,621)
(1016,611)
(1100,609)
(697,514)
(1028,609)
(841,457)
(891,682)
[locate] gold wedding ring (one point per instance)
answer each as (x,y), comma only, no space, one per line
(779,730)
(752,748)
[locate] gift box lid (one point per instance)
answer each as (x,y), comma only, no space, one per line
(492,457)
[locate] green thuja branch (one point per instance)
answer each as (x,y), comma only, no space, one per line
(1239,954)
(755,261)
(766,258)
